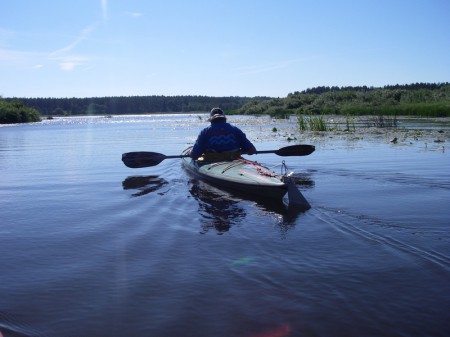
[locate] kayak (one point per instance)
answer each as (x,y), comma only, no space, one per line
(238,174)
(231,171)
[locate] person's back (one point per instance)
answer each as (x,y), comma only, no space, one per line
(221,136)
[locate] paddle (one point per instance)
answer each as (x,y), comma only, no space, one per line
(146,159)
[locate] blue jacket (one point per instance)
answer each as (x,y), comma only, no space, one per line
(221,137)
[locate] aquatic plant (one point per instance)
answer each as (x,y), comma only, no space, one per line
(381,121)
(312,123)
(350,122)
(302,123)
(317,123)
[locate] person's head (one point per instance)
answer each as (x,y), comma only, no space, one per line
(216,115)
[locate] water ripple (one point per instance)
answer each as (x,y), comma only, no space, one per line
(369,229)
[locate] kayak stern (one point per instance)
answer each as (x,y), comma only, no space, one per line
(241,175)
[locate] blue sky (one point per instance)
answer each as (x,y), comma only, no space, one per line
(89,48)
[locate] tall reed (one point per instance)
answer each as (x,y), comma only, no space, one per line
(382,121)
(312,123)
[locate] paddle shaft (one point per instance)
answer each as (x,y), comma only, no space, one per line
(185,155)
(146,159)
(176,156)
(266,151)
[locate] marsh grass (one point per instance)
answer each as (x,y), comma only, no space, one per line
(382,121)
(319,123)
(302,124)
(350,123)
(312,123)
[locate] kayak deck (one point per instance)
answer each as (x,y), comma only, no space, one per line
(238,174)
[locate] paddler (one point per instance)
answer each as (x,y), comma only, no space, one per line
(221,137)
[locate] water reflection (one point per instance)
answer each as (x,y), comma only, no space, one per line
(220,209)
(144,184)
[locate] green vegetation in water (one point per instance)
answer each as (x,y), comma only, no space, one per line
(350,123)
(16,112)
(312,123)
(382,121)
(321,123)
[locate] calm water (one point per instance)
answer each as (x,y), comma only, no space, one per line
(90,247)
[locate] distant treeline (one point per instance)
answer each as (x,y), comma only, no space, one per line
(419,99)
(16,112)
(126,105)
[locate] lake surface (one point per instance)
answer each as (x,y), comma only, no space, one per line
(90,247)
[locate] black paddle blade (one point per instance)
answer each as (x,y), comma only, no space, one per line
(142,159)
(296,150)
